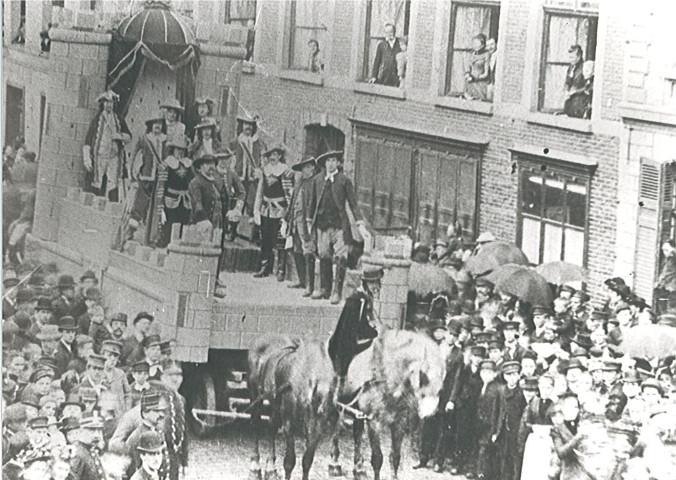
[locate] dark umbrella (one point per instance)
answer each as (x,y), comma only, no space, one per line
(425,278)
(493,255)
(503,271)
(527,285)
(560,273)
(649,341)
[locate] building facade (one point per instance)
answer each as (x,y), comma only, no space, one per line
(424,152)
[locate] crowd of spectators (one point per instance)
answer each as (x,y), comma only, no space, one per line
(87,394)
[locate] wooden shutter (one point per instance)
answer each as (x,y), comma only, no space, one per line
(654,222)
(367,160)
(468,186)
(427,189)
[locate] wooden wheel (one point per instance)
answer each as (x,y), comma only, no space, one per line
(204,398)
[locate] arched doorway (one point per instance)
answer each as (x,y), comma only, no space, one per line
(321,139)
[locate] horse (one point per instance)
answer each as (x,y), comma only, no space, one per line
(297,378)
(398,378)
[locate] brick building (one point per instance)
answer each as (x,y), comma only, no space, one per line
(422,156)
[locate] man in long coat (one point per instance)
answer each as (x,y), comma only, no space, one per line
(332,198)
(205,198)
(506,428)
(103,150)
(385,62)
(466,412)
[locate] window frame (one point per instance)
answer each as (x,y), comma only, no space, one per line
(548,169)
(229,20)
(364,75)
(493,4)
(291,35)
(550,12)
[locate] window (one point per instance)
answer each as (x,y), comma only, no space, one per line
(564,88)
(379,14)
(240,11)
(307,35)
(468,21)
(14,113)
(553,212)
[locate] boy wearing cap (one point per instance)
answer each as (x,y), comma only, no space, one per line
(150,451)
(506,428)
(298,228)
(140,372)
(93,376)
(331,199)
(513,350)
(103,150)
(153,356)
(85,463)
(114,378)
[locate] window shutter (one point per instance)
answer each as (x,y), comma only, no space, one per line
(654,222)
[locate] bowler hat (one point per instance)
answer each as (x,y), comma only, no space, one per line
(108,96)
(15,413)
(140,367)
(278,147)
(454,327)
(67,323)
(25,295)
(510,325)
(88,275)
(151,341)
(165,347)
(652,383)
(337,154)
(529,384)
(495,345)
(66,281)
(198,162)
(98,361)
(49,332)
(150,442)
(631,376)
(372,274)
(143,315)
(487,365)
(475,321)
(157,118)
(511,366)
(38,422)
(173,104)
(48,362)
(112,346)
(574,363)
(22,320)
(45,304)
(303,163)
(119,317)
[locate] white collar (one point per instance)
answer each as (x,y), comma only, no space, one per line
(330,176)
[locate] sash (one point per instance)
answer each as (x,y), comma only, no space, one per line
(250,164)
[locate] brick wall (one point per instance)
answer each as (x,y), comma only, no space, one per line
(516,29)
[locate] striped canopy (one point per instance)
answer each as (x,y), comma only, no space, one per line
(157,24)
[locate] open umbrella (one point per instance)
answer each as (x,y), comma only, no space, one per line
(650,341)
(503,271)
(560,273)
(527,285)
(493,255)
(425,278)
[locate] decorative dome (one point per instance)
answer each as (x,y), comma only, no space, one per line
(157,24)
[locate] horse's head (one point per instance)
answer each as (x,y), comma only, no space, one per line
(426,377)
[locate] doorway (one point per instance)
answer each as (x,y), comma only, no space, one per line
(14,114)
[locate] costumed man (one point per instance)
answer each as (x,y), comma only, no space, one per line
(272,199)
(248,149)
(205,113)
(232,192)
(150,450)
(206,143)
(103,151)
(149,153)
(332,205)
(298,227)
(85,463)
(172,113)
(205,198)
(357,325)
(176,202)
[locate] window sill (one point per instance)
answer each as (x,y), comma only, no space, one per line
(560,121)
(302,76)
(458,103)
(248,67)
(380,90)
(645,113)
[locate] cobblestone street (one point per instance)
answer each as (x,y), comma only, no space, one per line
(227,452)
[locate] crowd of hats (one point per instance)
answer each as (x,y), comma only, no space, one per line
(70,364)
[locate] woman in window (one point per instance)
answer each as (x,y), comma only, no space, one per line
(576,98)
(478,72)
(315,62)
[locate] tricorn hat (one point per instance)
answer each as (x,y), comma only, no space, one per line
(372,274)
(108,96)
(157,118)
(173,104)
(321,160)
(277,147)
(246,118)
(198,162)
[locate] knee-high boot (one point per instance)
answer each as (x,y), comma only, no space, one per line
(299,260)
(281,264)
(309,275)
(325,277)
(338,279)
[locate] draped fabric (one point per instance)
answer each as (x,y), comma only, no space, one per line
(155,34)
